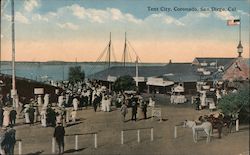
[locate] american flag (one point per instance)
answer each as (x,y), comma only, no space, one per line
(233,22)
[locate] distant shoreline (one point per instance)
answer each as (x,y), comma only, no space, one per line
(67,62)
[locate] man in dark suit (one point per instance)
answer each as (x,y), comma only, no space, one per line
(59,134)
(13,114)
(134,110)
(1,116)
(95,102)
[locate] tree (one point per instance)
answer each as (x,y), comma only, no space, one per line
(124,83)
(236,103)
(76,74)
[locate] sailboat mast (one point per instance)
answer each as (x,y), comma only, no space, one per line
(125,50)
(136,72)
(109,50)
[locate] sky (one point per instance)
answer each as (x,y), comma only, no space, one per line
(70,30)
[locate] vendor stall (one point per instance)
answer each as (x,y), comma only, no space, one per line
(177,95)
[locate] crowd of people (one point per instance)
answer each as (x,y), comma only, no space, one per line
(60,108)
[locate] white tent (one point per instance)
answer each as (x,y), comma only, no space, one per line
(111,78)
(158,82)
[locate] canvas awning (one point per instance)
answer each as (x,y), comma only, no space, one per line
(139,79)
(178,89)
(111,78)
(158,82)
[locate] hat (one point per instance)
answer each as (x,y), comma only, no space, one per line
(4,128)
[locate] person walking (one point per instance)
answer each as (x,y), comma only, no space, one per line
(134,110)
(3,144)
(1,116)
(197,102)
(75,103)
(10,140)
(13,114)
(124,111)
(95,102)
(43,117)
(144,109)
(73,115)
(31,112)
(6,117)
(59,134)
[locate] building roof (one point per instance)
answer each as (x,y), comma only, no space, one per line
(220,61)
(181,72)
(117,71)
(177,72)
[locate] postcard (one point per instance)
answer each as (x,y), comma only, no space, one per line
(124,77)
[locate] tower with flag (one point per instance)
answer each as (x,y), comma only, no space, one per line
(235,22)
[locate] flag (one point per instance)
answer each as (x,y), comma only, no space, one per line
(233,22)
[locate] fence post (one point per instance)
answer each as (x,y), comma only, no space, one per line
(237,125)
(122,137)
(20,147)
(95,135)
(53,145)
(175,132)
(138,136)
(152,134)
(76,142)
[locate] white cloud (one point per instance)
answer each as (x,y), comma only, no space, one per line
(171,20)
(38,17)
(7,17)
(224,15)
(29,5)
(68,26)
(243,13)
(163,18)
(78,11)
(98,15)
(21,18)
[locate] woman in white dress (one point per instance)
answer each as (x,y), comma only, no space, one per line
(151,102)
(6,117)
(203,99)
(73,115)
(43,117)
(46,100)
(39,100)
(75,104)
(109,104)
(26,114)
(60,101)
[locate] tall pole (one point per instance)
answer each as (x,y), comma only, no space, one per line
(136,76)
(109,50)
(240,30)
(13,51)
(1,3)
(125,50)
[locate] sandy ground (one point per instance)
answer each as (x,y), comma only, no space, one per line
(108,125)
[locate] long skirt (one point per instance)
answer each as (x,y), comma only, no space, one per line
(27,119)
(6,120)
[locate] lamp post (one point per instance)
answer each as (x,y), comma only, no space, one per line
(240,49)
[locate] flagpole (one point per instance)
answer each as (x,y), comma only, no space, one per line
(240,31)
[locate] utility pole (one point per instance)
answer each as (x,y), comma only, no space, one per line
(13,91)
